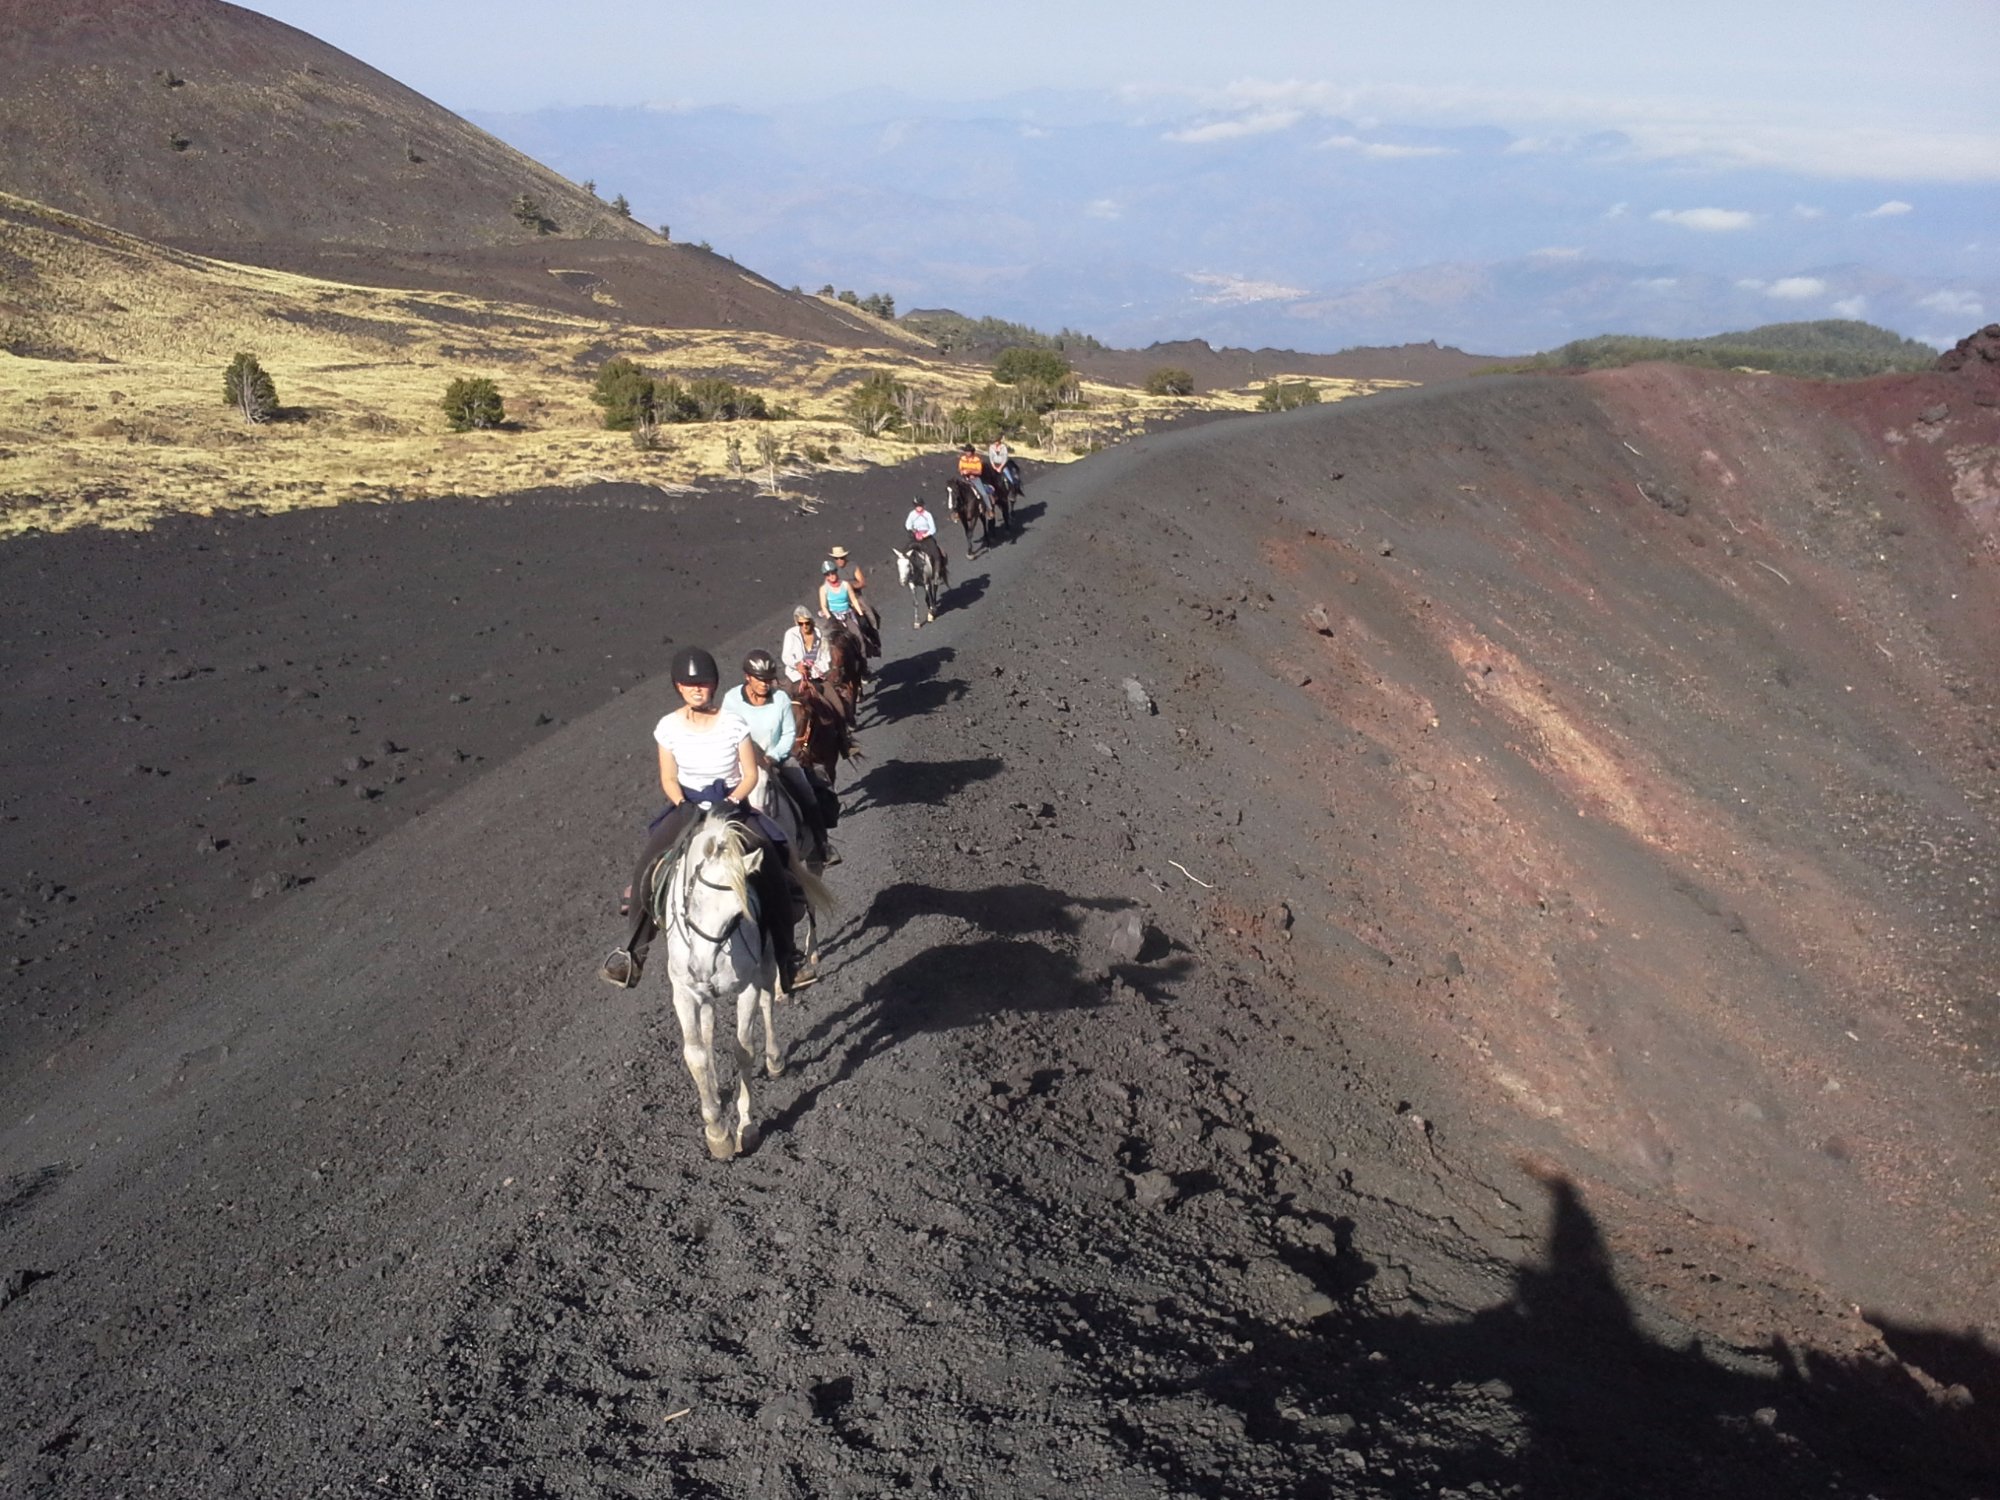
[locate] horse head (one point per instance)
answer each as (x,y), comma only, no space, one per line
(902,565)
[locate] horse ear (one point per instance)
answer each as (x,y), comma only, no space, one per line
(753,861)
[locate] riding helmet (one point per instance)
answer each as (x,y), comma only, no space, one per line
(829,566)
(758,664)
(694,667)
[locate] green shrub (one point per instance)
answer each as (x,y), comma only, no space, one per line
(814,453)
(1288,395)
(1170,380)
(473,403)
(528,213)
(626,394)
(877,404)
(246,387)
(621,206)
(1031,367)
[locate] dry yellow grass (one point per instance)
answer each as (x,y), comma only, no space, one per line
(117,418)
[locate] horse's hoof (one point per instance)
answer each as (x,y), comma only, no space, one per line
(721,1146)
(774,1069)
(930,619)
(748,1139)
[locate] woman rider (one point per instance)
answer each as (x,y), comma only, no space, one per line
(707,756)
(837,606)
(805,653)
(767,709)
(857,585)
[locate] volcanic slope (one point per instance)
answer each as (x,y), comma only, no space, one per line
(1327,1184)
(211,128)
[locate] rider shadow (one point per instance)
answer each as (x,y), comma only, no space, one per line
(1579,1398)
(1013,970)
(896,783)
(1027,510)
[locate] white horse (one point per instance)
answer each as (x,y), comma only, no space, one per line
(707,911)
(916,571)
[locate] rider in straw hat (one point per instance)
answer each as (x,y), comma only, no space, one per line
(857,583)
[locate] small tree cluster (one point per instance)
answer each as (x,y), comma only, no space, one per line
(529,214)
(1288,395)
(1036,380)
(621,206)
(879,404)
(472,403)
(1170,380)
(633,399)
(246,387)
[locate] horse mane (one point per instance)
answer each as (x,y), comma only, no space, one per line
(730,855)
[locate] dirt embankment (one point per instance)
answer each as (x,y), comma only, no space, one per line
(1426,947)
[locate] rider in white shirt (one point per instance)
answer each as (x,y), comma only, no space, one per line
(922,527)
(805,653)
(1002,460)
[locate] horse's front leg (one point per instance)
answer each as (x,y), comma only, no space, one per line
(746,1015)
(697,1018)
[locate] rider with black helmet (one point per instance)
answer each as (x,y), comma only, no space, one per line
(767,709)
(707,758)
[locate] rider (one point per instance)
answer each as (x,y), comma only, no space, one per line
(922,527)
(857,584)
(707,756)
(1003,463)
(806,655)
(972,472)
(767,709)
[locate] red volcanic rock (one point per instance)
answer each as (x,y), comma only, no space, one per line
(1976,360)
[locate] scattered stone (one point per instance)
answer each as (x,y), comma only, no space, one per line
(208,843)
(357,762)
(459,698)
(1319,619)
(1281,916)
(1125,935)
(1386,549)
(1934,414)
(1153,1189)
(1765,1416)
(1140,701)
(271,882)
(543,719)
(236,778)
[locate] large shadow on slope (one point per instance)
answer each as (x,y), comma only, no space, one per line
(896,783)
(1557,1392)
(1014,964)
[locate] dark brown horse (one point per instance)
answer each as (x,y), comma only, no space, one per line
(849,670)
(969,507)
(824,736)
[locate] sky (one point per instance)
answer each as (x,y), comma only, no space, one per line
(1826,85)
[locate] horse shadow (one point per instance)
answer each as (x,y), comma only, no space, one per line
(966,591)
(1027,511)
(1013,969)
(1578,1399)
(911,685)
(896,783)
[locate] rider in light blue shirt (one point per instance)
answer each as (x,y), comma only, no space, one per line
(767,709)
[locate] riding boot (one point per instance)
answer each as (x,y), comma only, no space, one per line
(780,913)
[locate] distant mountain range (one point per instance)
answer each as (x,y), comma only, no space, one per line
(1305,233)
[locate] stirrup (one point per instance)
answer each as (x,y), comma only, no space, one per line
(619,968)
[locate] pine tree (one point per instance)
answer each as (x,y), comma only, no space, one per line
(246,387)
(473,402)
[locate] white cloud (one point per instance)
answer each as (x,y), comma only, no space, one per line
(1657,283)
(1852,307)
(1749,284)
(1103,208)
(1894,208)
(1556,252)
(1796,288)
(1707,220)
(1262,122)
(1817,137)
(1954,304)
(1382,150)
(1232,291)
(1807,211)
(1618,211)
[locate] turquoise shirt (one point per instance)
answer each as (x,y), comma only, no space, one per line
(772,727)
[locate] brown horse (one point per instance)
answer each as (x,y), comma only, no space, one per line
(849,670)
(968,507)
(824,736)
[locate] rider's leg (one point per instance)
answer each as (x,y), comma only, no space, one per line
(774,899)
(807,801)
(624,964)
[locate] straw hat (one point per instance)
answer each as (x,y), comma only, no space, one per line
(837,553)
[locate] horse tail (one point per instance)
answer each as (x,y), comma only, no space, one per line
(819,895)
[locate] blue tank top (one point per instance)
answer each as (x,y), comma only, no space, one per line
(836,600)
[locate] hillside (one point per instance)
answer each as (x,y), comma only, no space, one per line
(1436,945)
(1833,348)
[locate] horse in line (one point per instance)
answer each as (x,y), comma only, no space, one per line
(716,949)
(916,571)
